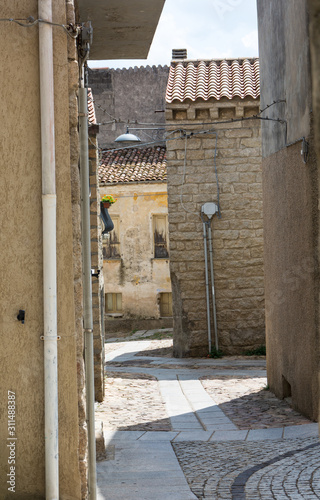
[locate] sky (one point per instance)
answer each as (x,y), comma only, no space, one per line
(208,29)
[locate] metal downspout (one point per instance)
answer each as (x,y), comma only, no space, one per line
(87,287)
(208,210)
(50,336)
(212,288)
(207,283)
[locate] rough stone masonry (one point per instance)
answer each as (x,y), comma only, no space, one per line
(237,235)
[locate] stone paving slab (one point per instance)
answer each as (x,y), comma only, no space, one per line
(158,436)
(143,472)
(299,431)
(262,434)
(229,435)
(193,436)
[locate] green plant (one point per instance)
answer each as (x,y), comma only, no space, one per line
(108,198)
(215,353)
(266,388)
(259,351)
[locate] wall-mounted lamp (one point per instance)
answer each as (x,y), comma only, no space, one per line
(127,137)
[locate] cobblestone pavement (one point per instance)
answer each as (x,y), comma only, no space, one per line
(242,470)
(233,438)
(132,402)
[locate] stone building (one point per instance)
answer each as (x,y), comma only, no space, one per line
(41,305)
(96,255)
(291,200)
(214,155)
(136,252)
(125,96)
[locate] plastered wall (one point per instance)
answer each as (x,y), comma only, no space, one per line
(21,366)
(137,274)
(291,206)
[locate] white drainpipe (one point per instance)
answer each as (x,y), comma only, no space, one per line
(50,336)
(87,288)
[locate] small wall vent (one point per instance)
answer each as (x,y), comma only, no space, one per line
(179,54)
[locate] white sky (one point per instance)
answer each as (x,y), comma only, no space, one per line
(208,29)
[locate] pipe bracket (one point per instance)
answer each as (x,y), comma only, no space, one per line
(46,337)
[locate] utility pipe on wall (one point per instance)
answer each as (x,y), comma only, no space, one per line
(212,287)
(50,336)
(87,286)
(207,284)
(209,209)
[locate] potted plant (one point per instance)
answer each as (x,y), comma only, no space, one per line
(107,200)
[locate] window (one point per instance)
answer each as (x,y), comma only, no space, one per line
(165,304)
(113,302)
(160,236)
(111,244)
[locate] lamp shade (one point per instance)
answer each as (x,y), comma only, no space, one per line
(127,137)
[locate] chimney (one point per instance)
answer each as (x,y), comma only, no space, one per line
(179,54)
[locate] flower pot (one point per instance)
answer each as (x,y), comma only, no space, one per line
(106,204)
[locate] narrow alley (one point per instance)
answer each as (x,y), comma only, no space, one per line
(198,428)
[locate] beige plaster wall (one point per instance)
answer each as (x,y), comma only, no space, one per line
(137,275)
(291,205)
(291,277)
(21,366)
(237,235)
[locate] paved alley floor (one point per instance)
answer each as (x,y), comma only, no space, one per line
(180,429)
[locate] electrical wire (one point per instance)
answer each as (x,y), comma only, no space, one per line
(272,104)
(135,122)
(32,22)
(255,117)
(222,122)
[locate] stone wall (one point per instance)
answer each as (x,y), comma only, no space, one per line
(128,95)
(96,263)
(77,248)
(237,235)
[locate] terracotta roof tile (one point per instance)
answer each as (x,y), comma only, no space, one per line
(91,111)
(133,165)
(205,79)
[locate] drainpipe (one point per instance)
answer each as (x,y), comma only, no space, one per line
(207,282)
(209,209)
(212,286)
(50,336)
(87,286)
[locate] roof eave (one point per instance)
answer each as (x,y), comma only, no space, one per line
(121,29)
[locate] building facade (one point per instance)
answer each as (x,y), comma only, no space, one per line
(291,201)
(136,252)
(214,156)
(125,96)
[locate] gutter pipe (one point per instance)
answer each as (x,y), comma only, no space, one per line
(50,336)
(207,283)
(212,288)
(87,286)
(209,209)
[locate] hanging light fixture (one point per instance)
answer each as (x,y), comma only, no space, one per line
(127,137)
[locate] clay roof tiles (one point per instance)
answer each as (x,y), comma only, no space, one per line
(213,79)
(133,165)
